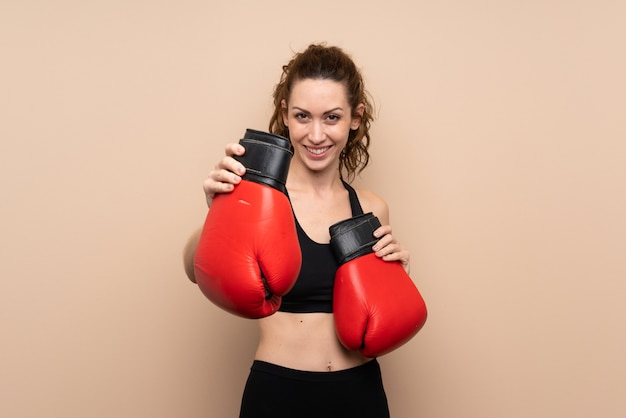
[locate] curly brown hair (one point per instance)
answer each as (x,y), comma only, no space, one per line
(319,61)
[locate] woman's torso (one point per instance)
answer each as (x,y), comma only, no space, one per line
(308,341)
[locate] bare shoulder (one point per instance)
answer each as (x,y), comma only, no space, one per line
(371,202)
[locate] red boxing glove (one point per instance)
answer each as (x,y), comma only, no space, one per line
(248,255)
(376,305)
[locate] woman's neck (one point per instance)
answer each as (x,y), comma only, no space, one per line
(301,178)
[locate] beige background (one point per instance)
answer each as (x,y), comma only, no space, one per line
(500,146)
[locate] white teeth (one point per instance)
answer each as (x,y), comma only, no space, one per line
(318,151)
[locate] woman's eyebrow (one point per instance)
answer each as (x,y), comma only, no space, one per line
(326,112)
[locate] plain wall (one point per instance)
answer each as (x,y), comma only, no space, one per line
(500,146)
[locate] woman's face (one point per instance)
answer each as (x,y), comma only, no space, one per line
(319,119)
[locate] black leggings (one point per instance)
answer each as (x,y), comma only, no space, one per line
(275,391)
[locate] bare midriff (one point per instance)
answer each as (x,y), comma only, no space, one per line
(304,342)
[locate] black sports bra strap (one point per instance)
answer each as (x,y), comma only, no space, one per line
(355,205)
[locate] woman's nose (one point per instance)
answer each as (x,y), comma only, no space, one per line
(316,133)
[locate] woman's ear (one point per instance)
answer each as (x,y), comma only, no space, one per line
(357,117)
(283,106)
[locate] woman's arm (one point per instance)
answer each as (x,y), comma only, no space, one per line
(388,248)
(189,253)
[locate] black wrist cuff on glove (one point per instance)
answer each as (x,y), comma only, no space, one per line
(266,159)
(354,237)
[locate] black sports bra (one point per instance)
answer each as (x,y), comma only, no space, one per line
(313,291)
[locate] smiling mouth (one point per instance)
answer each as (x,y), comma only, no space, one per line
(317,151)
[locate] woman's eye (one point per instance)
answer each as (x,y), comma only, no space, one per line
(333,118)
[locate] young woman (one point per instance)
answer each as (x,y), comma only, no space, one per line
(300,367)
